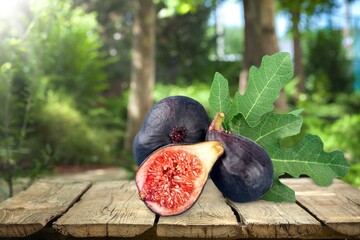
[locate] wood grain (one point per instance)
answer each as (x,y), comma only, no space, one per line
(210,217)
(263,219)
(337,205)
(30,210)
(307,186)
(113,209)
(110,208)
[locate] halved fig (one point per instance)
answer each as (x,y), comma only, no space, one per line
(244,172)
(171,179)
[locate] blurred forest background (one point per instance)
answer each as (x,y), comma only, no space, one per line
(77,77)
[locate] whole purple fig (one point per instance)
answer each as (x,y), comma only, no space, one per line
(244,172)
(172,120)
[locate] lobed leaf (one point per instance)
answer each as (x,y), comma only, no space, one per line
(264,85)
(308,158)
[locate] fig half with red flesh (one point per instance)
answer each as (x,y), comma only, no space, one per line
(171,179)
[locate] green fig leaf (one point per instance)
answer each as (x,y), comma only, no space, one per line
(251,115)
(279,193)
(308,158)
(219,99)
(263,88)
(270,131)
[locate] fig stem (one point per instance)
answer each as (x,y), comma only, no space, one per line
(216,123)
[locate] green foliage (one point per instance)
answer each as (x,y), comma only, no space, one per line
(234,40)
(339,132)
(326,65)
(53,48)
(251,116)
(14,120)
(59,51)
(72,139)
(308,7)
(353,177)
(182,49)
(172,7)
(303,11)
(197,91)
(115,20)
(336,123)
(347,127)
(349,102)
(61,48)
(68,48)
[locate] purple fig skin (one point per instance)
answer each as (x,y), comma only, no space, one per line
(244,173)
(173,120)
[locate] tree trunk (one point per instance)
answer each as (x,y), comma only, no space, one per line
(142,68)
(252,54)
(298,66)
(269,43)
(260,39)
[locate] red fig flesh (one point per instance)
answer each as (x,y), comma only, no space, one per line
(171,179)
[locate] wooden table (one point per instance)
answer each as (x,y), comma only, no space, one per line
(52,209)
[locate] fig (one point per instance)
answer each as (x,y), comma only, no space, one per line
(244,172)
(173,120)
(171,179)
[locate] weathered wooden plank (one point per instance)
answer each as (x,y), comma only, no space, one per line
(264,219)
(110,208)
(210,217)
(337,205)
(95,175)
(339,187)
(30,210)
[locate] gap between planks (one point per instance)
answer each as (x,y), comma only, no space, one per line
(113,208)
(214,216)
(337,205)
(209,217)
(30,210)
(107,209)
